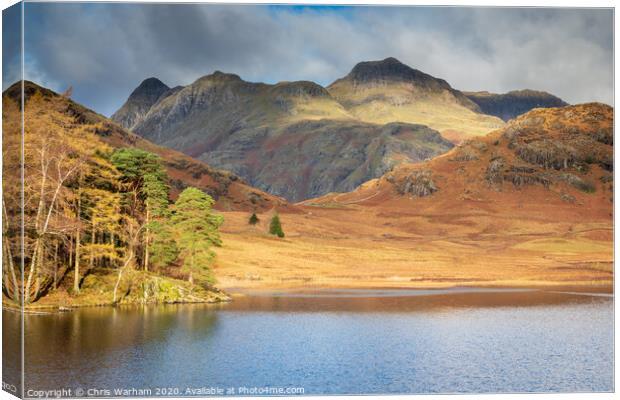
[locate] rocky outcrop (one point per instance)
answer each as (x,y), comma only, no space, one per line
(512,104)
(580,183)
(553,146)
(470,150)
(563,138)
(415,184)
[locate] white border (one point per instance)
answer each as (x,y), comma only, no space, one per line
(478,3)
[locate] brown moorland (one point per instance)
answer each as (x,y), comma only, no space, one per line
(529,205)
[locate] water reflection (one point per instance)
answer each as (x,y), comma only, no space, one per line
(512,341)
(11,351)
(77,344)
(421,301)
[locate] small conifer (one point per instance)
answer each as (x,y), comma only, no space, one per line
(275,228)
(253,219)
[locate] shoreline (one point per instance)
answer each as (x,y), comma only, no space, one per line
(606,288)
(230,294)
(221,298)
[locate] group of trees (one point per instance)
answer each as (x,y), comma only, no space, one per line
(275,227)
(87,206)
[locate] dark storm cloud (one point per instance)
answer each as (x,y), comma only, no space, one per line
(105,50)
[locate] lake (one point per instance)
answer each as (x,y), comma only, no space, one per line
(330,342)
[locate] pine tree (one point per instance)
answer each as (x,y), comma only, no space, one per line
(275,228)
(134,164)
(158,239)
(253,219)
(145,177)
(196,229)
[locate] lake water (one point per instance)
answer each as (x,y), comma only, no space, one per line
(338,342)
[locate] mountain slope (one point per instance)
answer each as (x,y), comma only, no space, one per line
(557,160)
(512,104)
(291,139)
(388,90)
(230,192)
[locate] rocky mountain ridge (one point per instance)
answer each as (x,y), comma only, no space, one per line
(514,103)
(300,140)
(292,139)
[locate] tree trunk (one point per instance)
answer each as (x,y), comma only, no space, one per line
(76,259)
(76,277)
(130,243)
(111,259)
(92,248)
(8,287)
(37,282)
(56,266)
(146,241)
(41,231)
(120,275)
(9,256)
(33,267)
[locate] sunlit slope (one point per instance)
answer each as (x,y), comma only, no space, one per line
(387,91)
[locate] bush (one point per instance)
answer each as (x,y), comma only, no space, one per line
(275,228)
(253,219)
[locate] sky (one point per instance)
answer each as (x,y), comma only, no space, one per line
(104,50)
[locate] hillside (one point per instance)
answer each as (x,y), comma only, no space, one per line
(291,139)
(230,192)
(388,90)
(529,205)
(94,222)
(512,104)
(565,155)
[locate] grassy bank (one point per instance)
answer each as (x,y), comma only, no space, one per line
(134,288)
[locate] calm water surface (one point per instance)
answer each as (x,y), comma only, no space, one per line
(338,342)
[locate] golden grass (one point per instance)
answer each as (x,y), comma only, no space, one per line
(364,248)
(562,245)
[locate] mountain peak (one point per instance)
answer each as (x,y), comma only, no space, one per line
(140,101)
(388,61)
(388,70)
(300,88)
(150,88)
(219,76)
